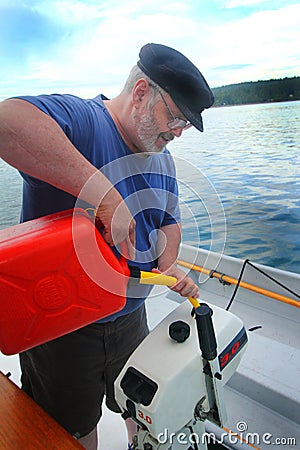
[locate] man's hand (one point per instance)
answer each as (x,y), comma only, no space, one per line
(185,285)
(117,223)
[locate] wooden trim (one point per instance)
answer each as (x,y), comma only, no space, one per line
(24,425)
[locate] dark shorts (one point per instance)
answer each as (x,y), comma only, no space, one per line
(69,376)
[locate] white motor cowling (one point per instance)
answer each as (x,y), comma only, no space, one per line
(166,382)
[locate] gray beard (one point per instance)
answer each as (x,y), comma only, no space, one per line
(148,134)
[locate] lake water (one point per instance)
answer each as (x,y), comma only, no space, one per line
(251,156)
(239,183)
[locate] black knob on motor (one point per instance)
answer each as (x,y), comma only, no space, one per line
(179,331)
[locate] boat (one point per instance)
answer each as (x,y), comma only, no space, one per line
(263,396)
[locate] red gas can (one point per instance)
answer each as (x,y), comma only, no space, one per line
(57,274)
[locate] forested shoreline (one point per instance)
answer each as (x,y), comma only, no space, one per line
(280,90)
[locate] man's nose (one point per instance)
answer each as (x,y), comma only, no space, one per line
(177,131)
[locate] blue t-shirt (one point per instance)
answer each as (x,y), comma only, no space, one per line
(147,184)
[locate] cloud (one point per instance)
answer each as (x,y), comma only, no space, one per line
(263,44)
(241,3)
(232,67)
(89,46)
(93,54)
(24,32)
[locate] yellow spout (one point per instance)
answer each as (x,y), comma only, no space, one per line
(163,280)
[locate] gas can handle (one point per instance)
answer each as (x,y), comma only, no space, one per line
(124,266)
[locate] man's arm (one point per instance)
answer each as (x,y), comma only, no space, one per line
(169,238)
(33,142)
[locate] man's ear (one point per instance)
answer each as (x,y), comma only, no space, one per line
(140,92)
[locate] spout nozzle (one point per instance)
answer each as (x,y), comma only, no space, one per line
(194,302)
(157,279)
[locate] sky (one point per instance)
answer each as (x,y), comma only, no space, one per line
(87,47)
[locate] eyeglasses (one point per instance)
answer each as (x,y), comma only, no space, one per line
(176,122)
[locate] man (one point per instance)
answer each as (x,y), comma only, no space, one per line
(59,142)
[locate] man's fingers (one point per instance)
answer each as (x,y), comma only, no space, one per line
(127,250)
(132,239)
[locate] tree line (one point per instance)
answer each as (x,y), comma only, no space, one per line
(280,90)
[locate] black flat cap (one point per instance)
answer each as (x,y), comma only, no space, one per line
(178,76)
